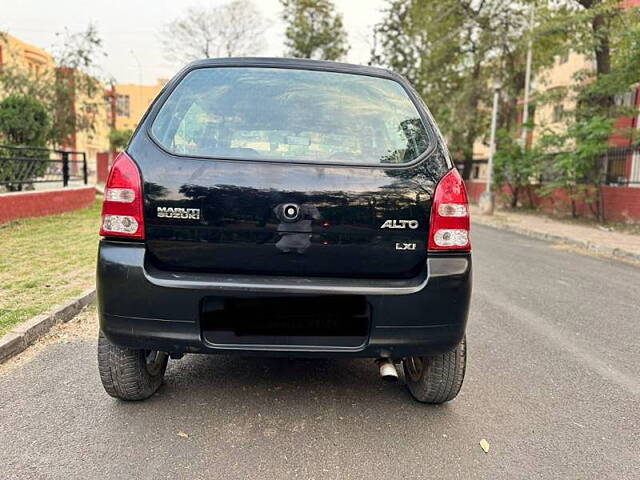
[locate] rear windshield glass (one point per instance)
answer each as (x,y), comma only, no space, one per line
(286,114)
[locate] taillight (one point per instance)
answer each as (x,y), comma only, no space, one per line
(122,206)
(449,228)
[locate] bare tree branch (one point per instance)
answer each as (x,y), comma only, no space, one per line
(233,29)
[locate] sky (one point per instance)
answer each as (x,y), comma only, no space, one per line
(130,29)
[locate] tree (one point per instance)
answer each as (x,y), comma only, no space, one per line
(233,29)
(77,91)
(314,30)
(578,165)
(23,122)
(515,166)
(451,51)
(606,32)
(118,139)
(71,92)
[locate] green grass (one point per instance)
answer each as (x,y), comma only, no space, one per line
(45,262)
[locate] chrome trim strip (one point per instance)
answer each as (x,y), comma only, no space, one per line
(277,284)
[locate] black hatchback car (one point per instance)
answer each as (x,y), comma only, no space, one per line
(290,208)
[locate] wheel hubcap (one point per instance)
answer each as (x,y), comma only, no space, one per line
(415,366)
(154,360)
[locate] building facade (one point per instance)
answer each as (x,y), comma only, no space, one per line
(15,52)
(38,62)
(119,106)
(623,163)
(559,78)
(129,102)
(551,114)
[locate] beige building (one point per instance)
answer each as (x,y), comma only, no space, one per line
(559,77)
(119,107)
(481,152)
(96,140)
(38,62)
(15,52)
(130,102)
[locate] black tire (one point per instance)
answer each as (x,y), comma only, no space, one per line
(129,374)
(436,378)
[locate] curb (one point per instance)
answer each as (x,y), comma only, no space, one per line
(615,252)
(23,335)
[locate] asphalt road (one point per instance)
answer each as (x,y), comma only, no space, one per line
(552,385)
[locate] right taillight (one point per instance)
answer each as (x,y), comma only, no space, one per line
(122,206)
(449,227)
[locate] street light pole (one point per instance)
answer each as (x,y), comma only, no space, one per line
(487,200)
(527,83)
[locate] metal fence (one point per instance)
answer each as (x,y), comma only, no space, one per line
(22,167)
(621,166)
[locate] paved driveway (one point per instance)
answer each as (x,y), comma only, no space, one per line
(552,384)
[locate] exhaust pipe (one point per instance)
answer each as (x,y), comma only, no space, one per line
(388,370)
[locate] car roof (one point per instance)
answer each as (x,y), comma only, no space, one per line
(299,63)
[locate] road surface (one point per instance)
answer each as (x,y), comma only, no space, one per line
(553,385)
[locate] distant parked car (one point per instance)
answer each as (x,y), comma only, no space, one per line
(285,208)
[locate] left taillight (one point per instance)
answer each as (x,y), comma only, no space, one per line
(122,206)
(449,227)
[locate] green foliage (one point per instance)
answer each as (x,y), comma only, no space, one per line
(610,35)
(421,39)
(70,92)
(578,165)
(605,32)
(76,84)
(514,166)
(451,51)
(314,30)
(23,121)
(118,139)
(596,96)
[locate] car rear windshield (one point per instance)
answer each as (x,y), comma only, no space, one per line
(291,115)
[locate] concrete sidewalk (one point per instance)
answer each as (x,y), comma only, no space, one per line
(586,236)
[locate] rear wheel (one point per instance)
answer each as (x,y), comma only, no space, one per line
(436,378)
(130,374)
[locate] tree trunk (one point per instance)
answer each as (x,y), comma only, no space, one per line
(530,195)
(601,218)
(515,191)
(603,53)
(602,50)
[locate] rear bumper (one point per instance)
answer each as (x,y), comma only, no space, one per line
(142,307)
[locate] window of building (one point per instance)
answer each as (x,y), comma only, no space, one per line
(122,106)
(558,112)
(91,108)
(626,99)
